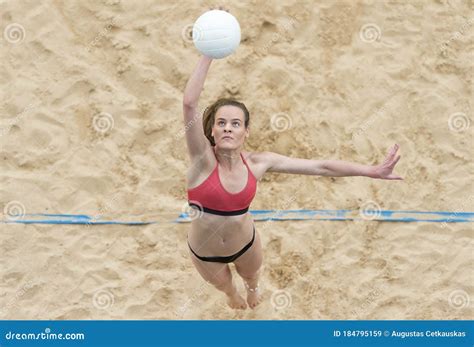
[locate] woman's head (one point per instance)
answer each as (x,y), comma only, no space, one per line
(226,118)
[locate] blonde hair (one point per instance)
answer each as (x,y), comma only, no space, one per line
(210,114)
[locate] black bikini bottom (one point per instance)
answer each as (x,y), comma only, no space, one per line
(230,258)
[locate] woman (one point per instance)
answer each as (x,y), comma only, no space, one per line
(222,182)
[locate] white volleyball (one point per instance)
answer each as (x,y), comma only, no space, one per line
(216,34)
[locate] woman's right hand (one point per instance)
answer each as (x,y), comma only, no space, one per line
(222,8)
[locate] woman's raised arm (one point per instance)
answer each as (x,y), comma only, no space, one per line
(194,131)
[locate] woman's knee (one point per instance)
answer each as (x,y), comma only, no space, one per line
(223,283)
(220,278)
(249,273)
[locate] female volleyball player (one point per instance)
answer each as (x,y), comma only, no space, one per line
(222,182)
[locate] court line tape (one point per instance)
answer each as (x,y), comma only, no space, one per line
(266,215)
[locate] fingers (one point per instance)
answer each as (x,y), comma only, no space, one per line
(395,161)
(394,177)
(391,160)
(393,150)
(391,154)
(221,8)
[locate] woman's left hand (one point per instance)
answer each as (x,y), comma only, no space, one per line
(384,170)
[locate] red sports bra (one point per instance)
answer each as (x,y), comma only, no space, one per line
(211,197)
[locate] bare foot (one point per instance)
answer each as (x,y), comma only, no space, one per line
(236,301)
(253,297)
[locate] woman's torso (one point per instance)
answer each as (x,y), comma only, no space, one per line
(215,235)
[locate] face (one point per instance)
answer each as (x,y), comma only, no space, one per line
(229,127)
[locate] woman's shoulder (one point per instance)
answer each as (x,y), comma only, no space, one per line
(256,162)
(254,157)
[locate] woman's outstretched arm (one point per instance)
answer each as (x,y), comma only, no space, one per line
(334,168)
(196,140)
(196,82)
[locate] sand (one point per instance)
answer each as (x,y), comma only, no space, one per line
(91,123)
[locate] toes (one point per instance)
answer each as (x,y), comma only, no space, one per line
(237,303)
(254,303)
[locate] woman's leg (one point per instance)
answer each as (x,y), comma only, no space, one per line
(248,266)
(219,275)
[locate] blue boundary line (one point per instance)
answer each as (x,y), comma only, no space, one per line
(275,215)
